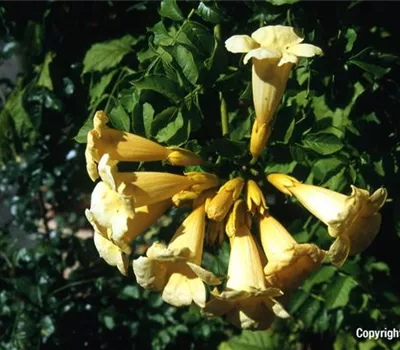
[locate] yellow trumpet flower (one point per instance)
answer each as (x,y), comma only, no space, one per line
(247,301)
(124,146)
(353,220)
(175,269)
(255,199)
(273,50)
(220,205)
(289,263)
(151,187)
(117,215)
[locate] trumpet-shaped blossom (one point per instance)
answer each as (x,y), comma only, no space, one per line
(273,50)
(247,301)
(220,205)
(150,187)
(175,269)
(289,263)
(124,146)
(116,213)
(353,220)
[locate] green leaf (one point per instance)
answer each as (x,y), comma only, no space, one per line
(282,2)
(377,71)
(248,340)
(98,89)
(160,84)
(285,168)
(130,292)
(351,37)
(14,108)
(148,114)
(199,37)
(241,131)
(309,310)
(47,327)
(161,36)
(324,167)
(170,9)
(337,182)
(323,143)
(345,341)
(208,13)
(81,136)
(119,118)
(45,78)
(107,55)
(323,274)
(338,293)
(185,60)
(171,129)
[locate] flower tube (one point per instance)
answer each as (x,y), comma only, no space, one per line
(247,301)
(289,263)
(150,187)
(353,220)
(124,146)
(175,269)
(273,50)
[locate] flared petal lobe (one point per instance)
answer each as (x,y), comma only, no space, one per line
(107,250)
(240,43)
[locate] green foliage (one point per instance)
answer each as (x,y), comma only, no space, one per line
(169,78)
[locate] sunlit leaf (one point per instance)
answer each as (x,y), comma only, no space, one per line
(170,9)
(107,55)
(160,84)
(323,143)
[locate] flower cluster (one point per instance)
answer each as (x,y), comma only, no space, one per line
(264,266)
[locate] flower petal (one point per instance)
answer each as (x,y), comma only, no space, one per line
(150,274)
(276,37)
(262,54)
(339,251)
(304,50)
(177,291)
(206,276)
(288,58)
(198,291)
(111,253)
(363,232)
(240,43)
(375,202)
(217,307)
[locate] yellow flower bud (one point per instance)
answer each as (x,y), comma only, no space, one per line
(182,157)
(260,134)
(202,181)
(255,199)
(220,205)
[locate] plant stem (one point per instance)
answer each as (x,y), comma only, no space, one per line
(224,115)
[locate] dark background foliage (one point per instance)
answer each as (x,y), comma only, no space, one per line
(160,69)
